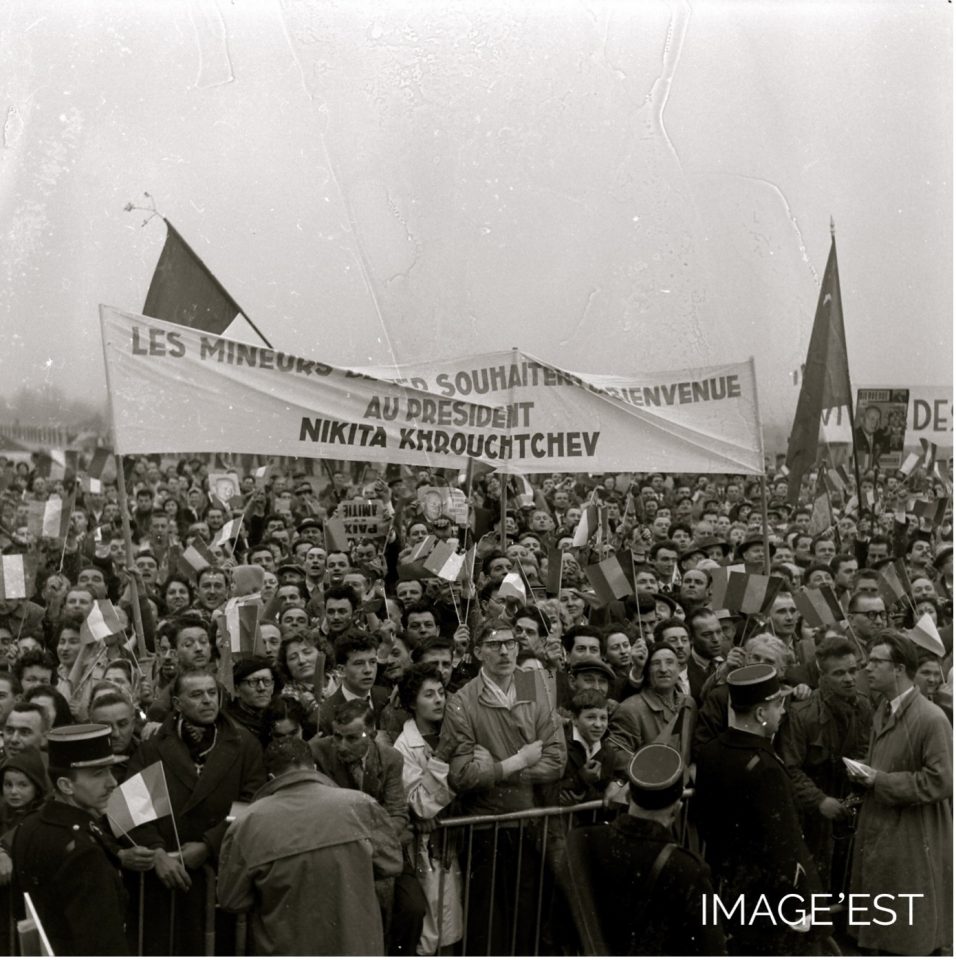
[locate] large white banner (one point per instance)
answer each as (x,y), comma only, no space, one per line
(174,388)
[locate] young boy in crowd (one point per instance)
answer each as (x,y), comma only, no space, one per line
(590,763)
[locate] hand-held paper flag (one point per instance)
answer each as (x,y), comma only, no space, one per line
(929,454)
(240,620)
(141,799)
(228,532)
(17,574)
(893,582)
(924,634)
(194,559)
(512,586)
(48,519)
(103,620)
(587,527)
(819,607)
(608,579)
(751,592)
(444,562)
(552,582)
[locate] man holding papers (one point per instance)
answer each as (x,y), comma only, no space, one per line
(904,836)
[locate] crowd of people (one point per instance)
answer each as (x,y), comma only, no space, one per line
(379,697)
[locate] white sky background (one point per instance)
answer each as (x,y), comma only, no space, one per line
(613,187)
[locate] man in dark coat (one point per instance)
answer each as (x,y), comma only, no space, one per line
(210,762)
(834,723)
(634,892)
(748,818)
(352,758)
(61,856)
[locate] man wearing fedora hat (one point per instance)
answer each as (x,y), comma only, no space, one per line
(748,816)
(61,856)
(634,892)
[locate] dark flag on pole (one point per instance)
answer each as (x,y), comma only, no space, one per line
(184,291)
(826,381)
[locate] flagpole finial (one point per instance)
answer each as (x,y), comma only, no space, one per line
(832,227)
(151,209)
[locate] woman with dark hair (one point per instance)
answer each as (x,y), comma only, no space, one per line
(177,595)
(425,779)
(53,702)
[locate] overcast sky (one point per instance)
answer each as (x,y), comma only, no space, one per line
(613,187)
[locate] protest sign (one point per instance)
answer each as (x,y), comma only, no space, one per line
(225,488)
(363,519)
(880,428)
(500,408)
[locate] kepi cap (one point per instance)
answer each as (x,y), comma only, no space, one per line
(656,775)
(80,746)
(755,684)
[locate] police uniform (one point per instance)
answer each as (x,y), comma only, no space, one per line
(633,890)
(63,859)
(748,818)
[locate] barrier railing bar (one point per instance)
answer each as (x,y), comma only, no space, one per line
(172,923)
(439,919)
(141,918)
(544,856)
(531,813)
(210,932)
(467,893)
(491,887)
(241,932)
(514,922)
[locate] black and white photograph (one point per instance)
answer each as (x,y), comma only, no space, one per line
(476,478)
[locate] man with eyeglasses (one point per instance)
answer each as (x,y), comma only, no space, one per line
(904,836)
(501,738)
(867,616)
(254,682)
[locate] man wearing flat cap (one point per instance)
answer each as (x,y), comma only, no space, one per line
(748,818)
(634,892)
(61,856)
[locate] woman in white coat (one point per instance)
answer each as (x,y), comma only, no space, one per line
(425,779)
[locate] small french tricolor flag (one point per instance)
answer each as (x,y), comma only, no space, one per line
(444,562)
(14,577)
(513,587)
(818,606)
(103,621)
(141,799)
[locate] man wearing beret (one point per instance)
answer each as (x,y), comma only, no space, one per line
(748,818)
(635,892)
(61,856)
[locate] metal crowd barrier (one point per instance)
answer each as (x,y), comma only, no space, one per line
(541,828)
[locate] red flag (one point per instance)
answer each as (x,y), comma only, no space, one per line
(184,291)
(826,382)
